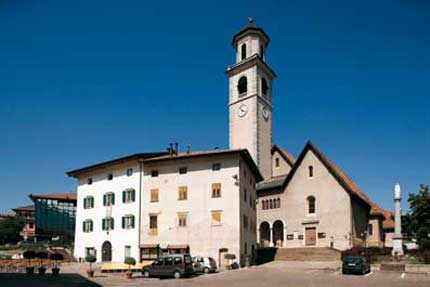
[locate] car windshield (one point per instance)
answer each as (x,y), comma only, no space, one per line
(353,259)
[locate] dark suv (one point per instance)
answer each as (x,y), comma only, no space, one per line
(174,265)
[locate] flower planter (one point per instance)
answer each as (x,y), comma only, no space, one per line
(55,271)
(90,273)
(41,270)
(29,270)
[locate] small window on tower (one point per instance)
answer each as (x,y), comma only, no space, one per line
(311,171)
(261,51)
(277,162)
(243,51)
(264,86)
(242,85)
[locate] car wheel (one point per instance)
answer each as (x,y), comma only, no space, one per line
(206,270)
(177,275)
(146,274)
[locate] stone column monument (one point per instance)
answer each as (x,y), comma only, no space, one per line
(397,237)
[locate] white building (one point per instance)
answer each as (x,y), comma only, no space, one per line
(148,204)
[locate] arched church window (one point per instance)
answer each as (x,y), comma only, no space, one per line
(279,202)
(271,204)
(242,85)
(264,86)
(311,204)
(243,51)
(277,162)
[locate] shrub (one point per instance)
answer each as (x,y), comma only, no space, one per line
(425,244)
(130,261)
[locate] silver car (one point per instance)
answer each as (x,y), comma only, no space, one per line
(204,264)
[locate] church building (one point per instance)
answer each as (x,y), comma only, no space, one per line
(208,203)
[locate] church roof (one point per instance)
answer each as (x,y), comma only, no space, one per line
(271,183)
(388,222)
(288,157)
(251,27)
(337,173)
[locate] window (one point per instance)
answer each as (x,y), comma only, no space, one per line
(370,229)
(261,51)
(182,219)
(153,225)
(128,222)
(177,260)
(110,176)
(90,180)
(243,51)
(264,205)
(279,203)
(245,221)
(87,226)
(242,85)
(182,170)
(250,201)
(244,194)
(127,251)
(271,203)
(129,172)
(311,171)
(311,205)
(109,199)
(168,261)
(216,217)
(216,166)
(264,86)
(129,195)
(88,202)
(107,223)
(277,162)
(216,189)
(154,173)
(154,195)
(182,193)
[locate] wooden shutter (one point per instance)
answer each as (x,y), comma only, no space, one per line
(132,221)
(113,198)
(123,222)
(92,202)
(104,199)
(91,225)
(103,224)
(133,195)
(83,226)
(216,217)
(123,196)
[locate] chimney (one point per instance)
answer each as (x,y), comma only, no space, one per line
(187,149)
(170,149)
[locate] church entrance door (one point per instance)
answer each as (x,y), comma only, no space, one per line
(311,236)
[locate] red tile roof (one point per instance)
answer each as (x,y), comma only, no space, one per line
(24,208)
(388,222)
(289,158)
(339,175)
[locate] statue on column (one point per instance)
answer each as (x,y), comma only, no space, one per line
(397,237)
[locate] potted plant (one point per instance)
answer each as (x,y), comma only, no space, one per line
(29,254)
(90,259)
(129,261)
(229,257)
(56,257)
(41,255)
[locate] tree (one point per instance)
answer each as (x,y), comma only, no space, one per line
(10,228)
(419,213)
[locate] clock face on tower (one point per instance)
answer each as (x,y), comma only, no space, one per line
(265,113)
(243,109)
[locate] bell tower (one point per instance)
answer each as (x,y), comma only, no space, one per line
(250,96)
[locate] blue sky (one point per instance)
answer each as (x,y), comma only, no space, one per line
(87,81)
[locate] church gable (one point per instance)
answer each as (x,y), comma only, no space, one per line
(282,161)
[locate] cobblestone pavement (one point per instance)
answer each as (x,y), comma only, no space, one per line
(266,275)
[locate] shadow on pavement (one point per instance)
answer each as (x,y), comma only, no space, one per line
(24,280)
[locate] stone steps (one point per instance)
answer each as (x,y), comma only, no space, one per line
(307,254)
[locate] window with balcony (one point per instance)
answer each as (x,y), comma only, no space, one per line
(109,199)
(128,222)
(129,195)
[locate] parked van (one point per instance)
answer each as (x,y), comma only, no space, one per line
(172,265)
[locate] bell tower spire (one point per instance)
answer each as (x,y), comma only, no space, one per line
(250,96)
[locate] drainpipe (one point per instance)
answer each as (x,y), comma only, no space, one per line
(140,205)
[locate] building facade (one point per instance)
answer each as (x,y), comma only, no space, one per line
(28,214)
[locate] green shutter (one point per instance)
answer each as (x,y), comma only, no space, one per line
(113,198)
(103,224)
(123,196)
(104,199)
(83,226)
(133,195)
(91,225)
(85,203)
(111,224)
(123,222)
(92,202)
(132,221)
